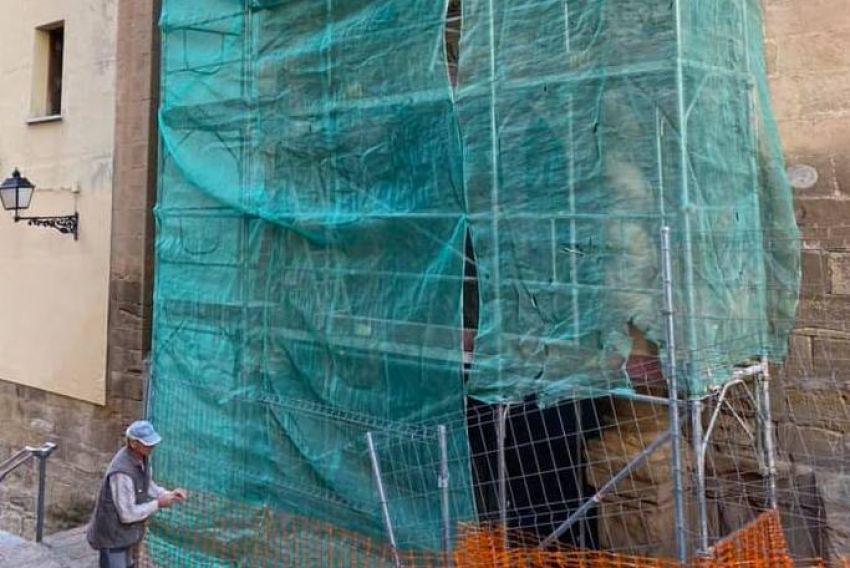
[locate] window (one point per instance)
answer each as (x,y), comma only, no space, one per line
(48,66)
(54,70)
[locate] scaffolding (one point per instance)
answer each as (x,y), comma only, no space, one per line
(615,180)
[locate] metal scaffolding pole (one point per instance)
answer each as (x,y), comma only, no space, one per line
(502,488)
(382,498)
(699,445)
(602,491)
(673,395)
(580,479)
(767,432)
(443,483)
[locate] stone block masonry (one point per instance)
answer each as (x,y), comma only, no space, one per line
(809,73)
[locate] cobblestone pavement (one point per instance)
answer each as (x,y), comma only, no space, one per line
(63,550)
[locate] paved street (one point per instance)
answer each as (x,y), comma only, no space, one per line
(63,550)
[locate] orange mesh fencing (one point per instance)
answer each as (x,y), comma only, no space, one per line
(480,547)
(761,544)
(294,541)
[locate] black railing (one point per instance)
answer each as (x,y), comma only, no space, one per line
(21,457)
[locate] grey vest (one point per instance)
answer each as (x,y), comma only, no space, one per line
(105,529)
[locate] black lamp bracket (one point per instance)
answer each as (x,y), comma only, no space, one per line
(65,224)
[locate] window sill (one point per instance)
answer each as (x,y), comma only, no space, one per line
(43,119)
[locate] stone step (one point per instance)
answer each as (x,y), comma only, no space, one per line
(67,549)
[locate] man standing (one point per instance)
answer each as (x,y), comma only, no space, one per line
(128,496)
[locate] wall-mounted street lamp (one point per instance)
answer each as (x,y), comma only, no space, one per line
(16,194)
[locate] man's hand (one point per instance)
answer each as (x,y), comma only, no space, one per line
(166,499)
(180,494)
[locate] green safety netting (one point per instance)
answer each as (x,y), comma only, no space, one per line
(575,157)
(320,174)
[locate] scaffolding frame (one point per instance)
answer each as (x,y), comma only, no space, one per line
(678,402)
(755,376)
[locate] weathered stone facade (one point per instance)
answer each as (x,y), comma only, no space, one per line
(809,71)
(88,434)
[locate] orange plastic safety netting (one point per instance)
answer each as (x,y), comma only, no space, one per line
(761,544)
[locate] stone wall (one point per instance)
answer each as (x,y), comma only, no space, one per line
(808,47)
(88,434)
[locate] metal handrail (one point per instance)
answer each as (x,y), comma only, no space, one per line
(19,458)
(14,462)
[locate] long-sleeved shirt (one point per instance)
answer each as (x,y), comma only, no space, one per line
(124,496)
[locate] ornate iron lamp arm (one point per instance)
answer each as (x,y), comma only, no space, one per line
(65,224)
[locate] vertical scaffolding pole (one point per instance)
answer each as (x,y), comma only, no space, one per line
(443,484)
(579,457)
(673,395)
(767,431)
(497,282)
(502,488)
(382,498)
(495,213)
(699,446)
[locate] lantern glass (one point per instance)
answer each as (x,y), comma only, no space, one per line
(24,197)
(16,192)
(8,196)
